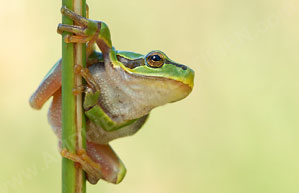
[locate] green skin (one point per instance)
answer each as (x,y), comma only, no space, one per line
(122,88)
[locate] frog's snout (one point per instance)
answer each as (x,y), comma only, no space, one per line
(188,78)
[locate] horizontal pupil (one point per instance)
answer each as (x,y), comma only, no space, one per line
(156,58)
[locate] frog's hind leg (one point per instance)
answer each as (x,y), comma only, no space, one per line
(50,84)
(113,170)
(98,161)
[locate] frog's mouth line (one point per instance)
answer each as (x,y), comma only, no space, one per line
(185,87)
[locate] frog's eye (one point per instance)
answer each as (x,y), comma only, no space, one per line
(155,60)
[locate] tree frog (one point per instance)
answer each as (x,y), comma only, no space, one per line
(122,88)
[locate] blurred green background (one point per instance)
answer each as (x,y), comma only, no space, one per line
(236,133)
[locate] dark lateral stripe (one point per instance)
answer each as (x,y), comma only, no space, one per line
(130,63)
(178,65)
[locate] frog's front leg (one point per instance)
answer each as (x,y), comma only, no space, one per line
(84,72)
(86,31)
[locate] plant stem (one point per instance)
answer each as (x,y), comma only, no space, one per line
(80,59)
(73,123)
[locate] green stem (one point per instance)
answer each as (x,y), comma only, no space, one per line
(73,179)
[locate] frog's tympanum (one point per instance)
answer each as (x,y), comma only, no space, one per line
(122,88)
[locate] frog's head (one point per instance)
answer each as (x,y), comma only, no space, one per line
(166,79)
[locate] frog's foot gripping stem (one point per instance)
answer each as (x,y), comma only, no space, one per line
(99,161)
(92,168)
(84,72)
(84,31)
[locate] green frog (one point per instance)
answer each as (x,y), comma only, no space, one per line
(121,90)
